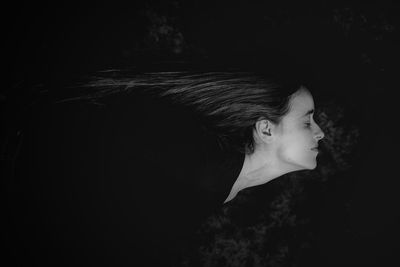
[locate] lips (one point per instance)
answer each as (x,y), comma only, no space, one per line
(315,148)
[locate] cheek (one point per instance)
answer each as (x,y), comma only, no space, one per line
(292,151)
(289,149)
(295,147)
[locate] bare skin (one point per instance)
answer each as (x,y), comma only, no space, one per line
(283,148)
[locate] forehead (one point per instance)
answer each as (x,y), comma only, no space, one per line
(301,102)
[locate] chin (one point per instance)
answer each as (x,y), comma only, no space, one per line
(303,166)
(302,163)
(309,165)
(313,166)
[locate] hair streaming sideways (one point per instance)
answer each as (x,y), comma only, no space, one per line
(229,102)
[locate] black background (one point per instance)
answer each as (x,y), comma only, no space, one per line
(52,44)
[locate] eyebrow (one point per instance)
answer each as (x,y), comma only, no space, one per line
(311,111)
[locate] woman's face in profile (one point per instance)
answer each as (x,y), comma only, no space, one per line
(299,133)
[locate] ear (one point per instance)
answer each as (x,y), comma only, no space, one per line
(264,130)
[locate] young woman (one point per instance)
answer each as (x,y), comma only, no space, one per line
(269,120)
(133,176)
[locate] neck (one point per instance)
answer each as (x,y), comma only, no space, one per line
(258,168)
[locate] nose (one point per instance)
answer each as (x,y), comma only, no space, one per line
(319,134)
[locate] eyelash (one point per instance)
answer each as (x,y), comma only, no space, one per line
(308,124)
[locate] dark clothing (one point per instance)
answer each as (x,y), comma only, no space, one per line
(122,184)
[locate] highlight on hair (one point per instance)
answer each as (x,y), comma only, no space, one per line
(228,102)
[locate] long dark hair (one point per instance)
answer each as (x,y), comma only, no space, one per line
(228,102)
